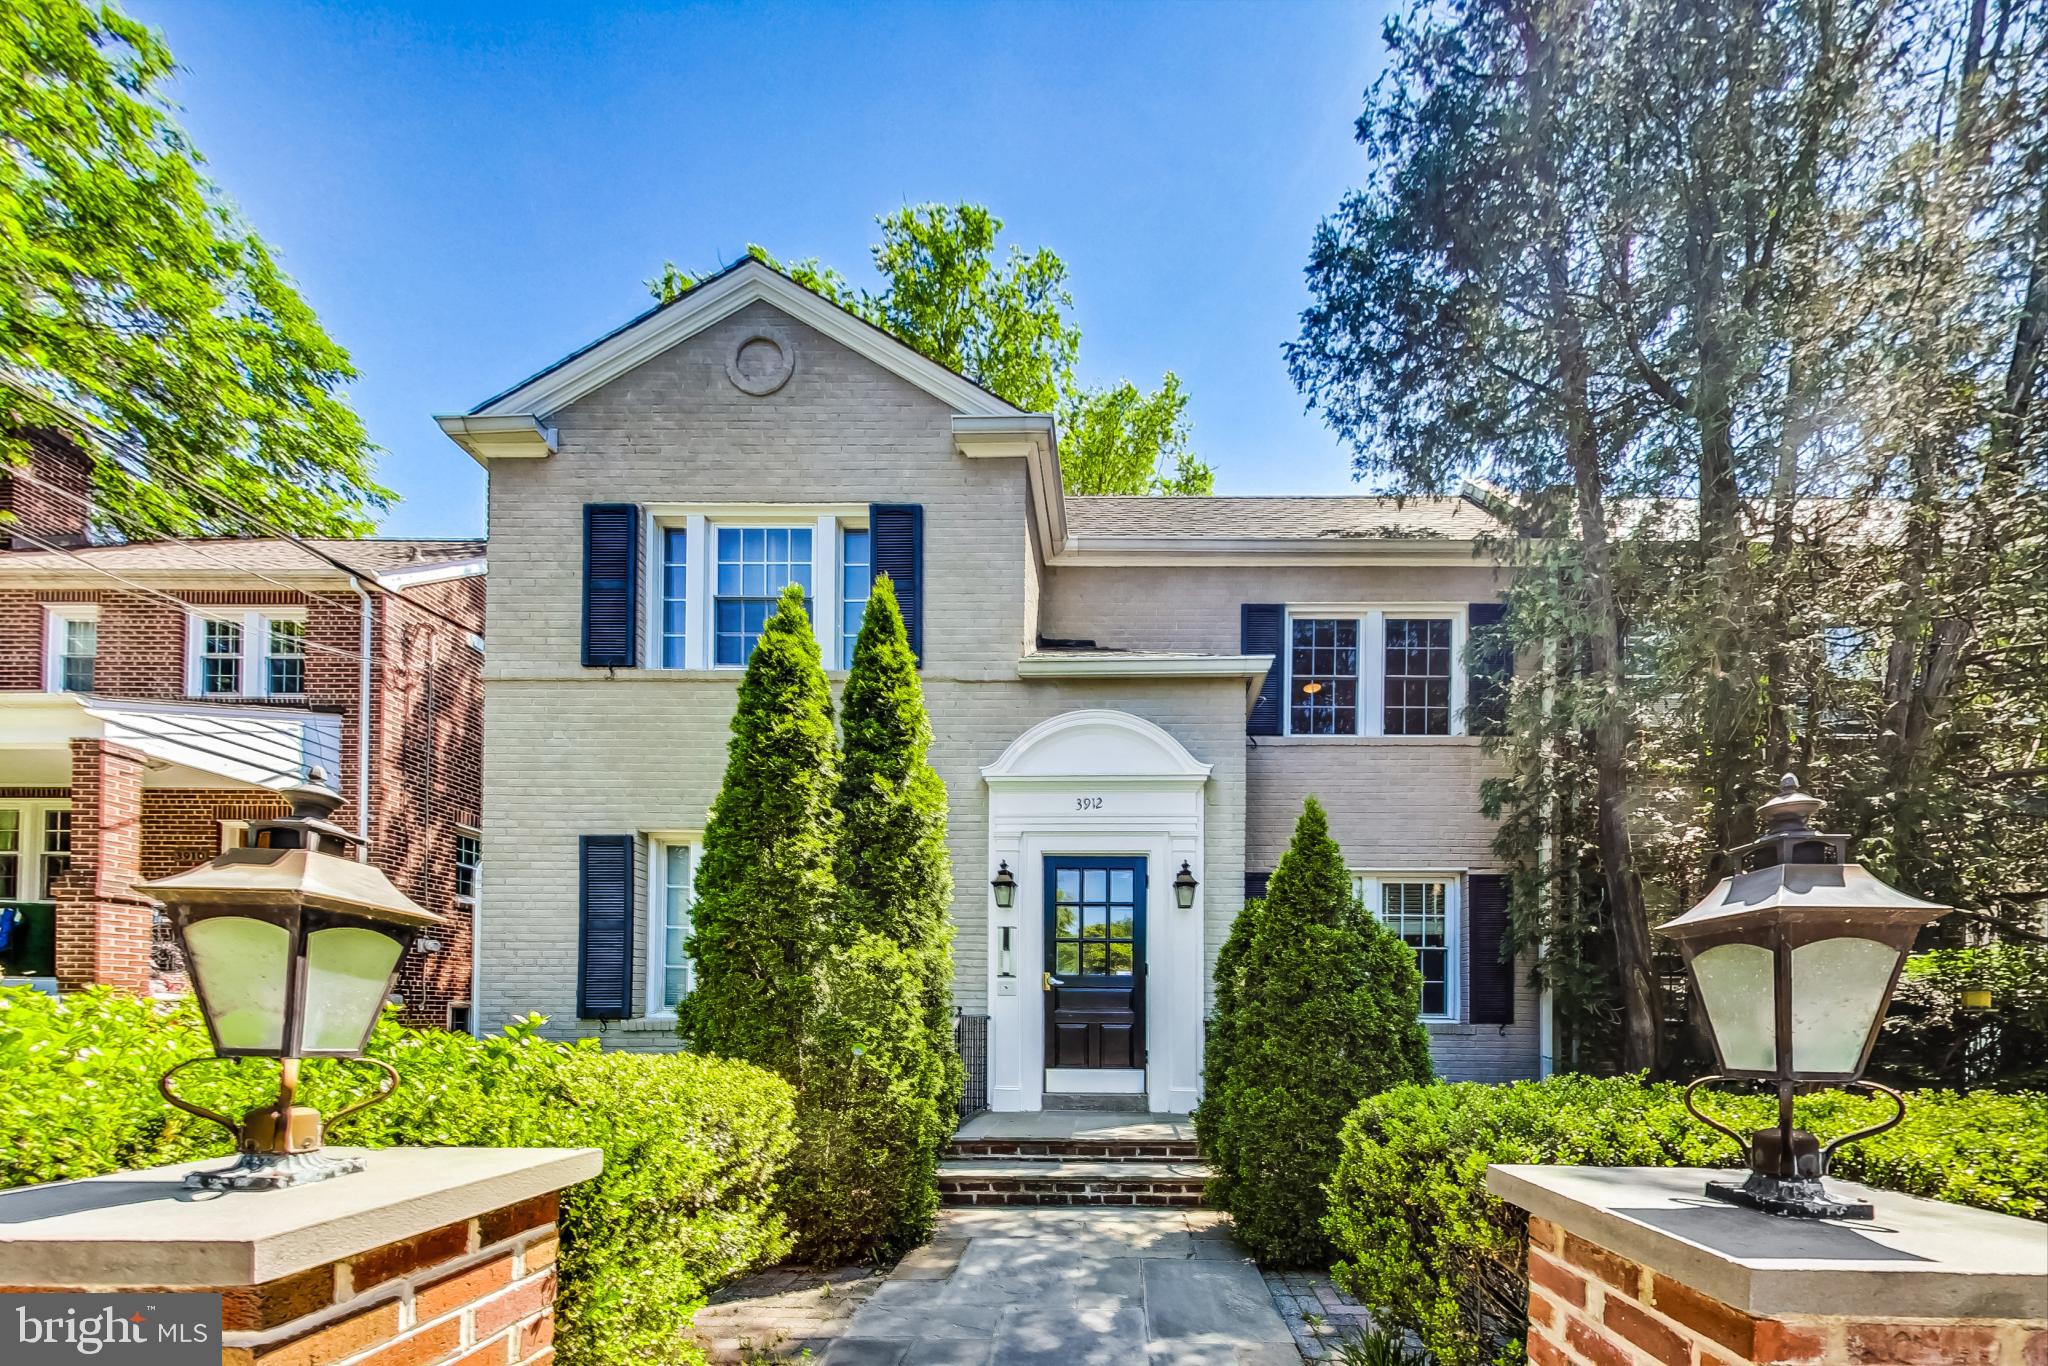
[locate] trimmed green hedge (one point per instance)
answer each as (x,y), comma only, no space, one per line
(1423,1245)
(693,1147)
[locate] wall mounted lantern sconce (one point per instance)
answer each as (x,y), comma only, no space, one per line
(1184,887)
(1794,957)
(293,949)
(1005,883)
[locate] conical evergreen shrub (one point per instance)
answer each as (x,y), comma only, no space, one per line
(896,888)
(1317,1007)
(764,887)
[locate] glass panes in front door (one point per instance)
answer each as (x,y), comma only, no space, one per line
(1095,921)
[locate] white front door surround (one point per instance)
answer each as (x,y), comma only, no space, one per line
(1096,782)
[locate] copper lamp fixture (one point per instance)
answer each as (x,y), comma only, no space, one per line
(293,949)
(1794,958)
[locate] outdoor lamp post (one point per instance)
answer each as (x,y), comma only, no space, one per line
(1005,883)
(1184,887)
(292,949)
(1794,957)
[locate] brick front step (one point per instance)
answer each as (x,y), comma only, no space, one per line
(983,1181)
(1075,1149)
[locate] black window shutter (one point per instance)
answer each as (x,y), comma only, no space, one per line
(1255,886)
(1493,973)
(604,965)
(1260,627)
(897,547)
(611,585)
(1491,668)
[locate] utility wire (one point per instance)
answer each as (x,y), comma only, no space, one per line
(141,458)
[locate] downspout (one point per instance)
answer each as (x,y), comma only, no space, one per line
(362,722)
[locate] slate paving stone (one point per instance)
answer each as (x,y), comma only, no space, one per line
(1065,1336)
(1023,1270)
(1210,1302)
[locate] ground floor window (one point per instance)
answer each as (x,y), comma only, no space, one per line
(1423,909)
(35,849)
(672,866)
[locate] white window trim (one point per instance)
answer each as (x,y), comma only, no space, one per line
(255,624)
(233,835)
(1367,883)
(32,850)
(657,893)
(55,617)
(471,832)
(699,524)
(1372,660)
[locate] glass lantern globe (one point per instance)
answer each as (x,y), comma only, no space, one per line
(293,949)
(1184,887)
(1794,958)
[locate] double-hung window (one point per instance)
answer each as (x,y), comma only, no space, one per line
(247,654)
(718,572)
(1423,909)
(755,564)
(72,634)
(469,865)
(670,888)
(1375,671)
(35,849)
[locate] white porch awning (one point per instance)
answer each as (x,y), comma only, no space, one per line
(189,744)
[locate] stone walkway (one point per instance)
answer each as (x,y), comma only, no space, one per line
(783,1314)
(1003,1286)
(1320,1315)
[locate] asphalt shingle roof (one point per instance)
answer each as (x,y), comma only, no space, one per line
(1279,518)
(267,555)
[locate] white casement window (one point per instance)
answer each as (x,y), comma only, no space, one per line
(1375,671)
(35,848)
(469,866)
(1423,908)
(246,654)
(671,881)
(715,575)
(71,647)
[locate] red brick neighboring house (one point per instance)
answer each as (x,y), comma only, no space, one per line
(154,696)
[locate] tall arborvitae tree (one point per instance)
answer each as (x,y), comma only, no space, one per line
(765,892)
(1318,1006)
(896,887)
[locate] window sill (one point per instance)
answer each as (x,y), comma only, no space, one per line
(1450,1028)
(1398,741)
(649,1024)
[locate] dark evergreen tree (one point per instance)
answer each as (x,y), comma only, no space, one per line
(765,888)
(890,988)
(1318,1006)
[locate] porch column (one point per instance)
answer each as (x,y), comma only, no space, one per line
(103,927)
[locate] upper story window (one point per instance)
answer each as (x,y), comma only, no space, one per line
(856,579)
(1423,910)
(755,564)
(469,865)
(72,638)
(247,654)
(1376,671)
(716,576)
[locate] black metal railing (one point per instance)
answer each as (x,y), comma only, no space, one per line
(970,1036)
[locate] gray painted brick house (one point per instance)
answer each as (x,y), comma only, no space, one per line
(1119,686)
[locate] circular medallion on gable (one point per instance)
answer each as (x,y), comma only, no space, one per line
(762,362)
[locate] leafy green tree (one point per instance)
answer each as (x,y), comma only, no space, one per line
(1002,322)
(765,890)
(1318,1006)
(131,294)
(896,889)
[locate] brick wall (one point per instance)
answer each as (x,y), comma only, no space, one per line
(480,1292)
(426,761)
(1591,1307)
(56,515)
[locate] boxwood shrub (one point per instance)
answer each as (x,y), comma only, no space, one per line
(693,1147)
(1423,1245)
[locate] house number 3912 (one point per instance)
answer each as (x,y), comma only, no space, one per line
(1087,803)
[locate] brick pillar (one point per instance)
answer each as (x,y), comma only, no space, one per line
(103,927)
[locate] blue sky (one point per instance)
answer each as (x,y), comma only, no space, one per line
(466,192)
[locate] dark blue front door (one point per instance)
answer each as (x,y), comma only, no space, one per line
(1094,961)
